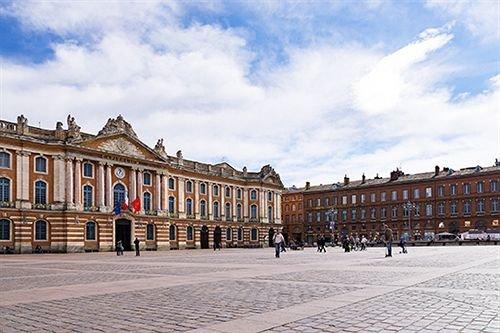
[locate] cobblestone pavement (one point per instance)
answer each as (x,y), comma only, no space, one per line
(431,289)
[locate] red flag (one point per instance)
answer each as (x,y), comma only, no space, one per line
(124,206)
(136,205)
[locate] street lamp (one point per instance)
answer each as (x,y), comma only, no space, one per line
(409,206)
(331,213)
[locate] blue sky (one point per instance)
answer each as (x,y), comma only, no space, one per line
(318,89)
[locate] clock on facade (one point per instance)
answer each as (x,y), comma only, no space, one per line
(119,172)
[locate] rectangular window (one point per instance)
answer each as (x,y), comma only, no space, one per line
(88,170)
(344,199)
(394,211)
(405,194)
(4,160)
(373,197)
(353,215)
(363,198)
(480,206)
(467,208)
(441,191)
(383,213)
(466,188)
(318,202)
(441,208)
(453,208)
(327,201)
(417,210)
(394,195)
(382,196)
(428,192)
(453,189)
(494,205)
(428,209)
(416,193)
(373,213)
(363,214)
(309,203)
(494,186)
(344,215)
(309,217)
(353,199)
(480,187)
(147,178)
(318,217)
(40,164)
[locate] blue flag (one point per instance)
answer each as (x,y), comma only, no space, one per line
(118,209)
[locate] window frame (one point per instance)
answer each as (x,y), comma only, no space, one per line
(150,232)
(84,164)
(87,224)
(9,230)
(9,159)
(46,231)
(35,192)
(9,189)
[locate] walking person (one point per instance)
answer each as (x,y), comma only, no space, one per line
(278,239)
(137,249)
(322,243)
(388,240)
(119,248)
(402,244)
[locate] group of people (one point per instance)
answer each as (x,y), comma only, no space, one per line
(120,248)
(354,243)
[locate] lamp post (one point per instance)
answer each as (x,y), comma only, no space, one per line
(409,206)
(331,213)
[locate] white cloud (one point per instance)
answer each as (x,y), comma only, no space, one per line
(331,109)
(481,18)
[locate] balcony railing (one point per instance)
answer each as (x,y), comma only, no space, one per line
(40,206)
(173,214)
(7,204)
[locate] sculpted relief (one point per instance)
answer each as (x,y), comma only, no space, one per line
(121,146)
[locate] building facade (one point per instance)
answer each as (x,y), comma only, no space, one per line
(68,191)
(414,206)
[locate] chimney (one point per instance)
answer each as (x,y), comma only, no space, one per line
(377,176)
(363,179)
(308,185)
(436,170)
(346,180)
(497,162)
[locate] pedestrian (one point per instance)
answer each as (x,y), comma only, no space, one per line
(388,240)
(345,243)
(137,249)
(217,245)
(119,248)
(402,244)
(363,243)
(322,243)
(278,239)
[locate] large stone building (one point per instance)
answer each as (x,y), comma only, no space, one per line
(60,190)
(415,206)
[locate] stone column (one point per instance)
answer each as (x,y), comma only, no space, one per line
(158,192)
(78,184)
(140,183)
(222,203)
(181,197)
(109,187)
(233,193)
(100,187)
(262,206)
(70,202)
(133,184)
(196,206)
(278,208)
(210,201)
(59,181)
(275,198)
(164,194)
(246,213)
(23,180)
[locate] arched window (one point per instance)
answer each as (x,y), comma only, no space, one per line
(150,231)
(253,211)
(147,201)
(88,170)
(147,178)
(270,196)
(270,212)
(229,234)
(172,233)
(4,229)
(216,190)
(41,230)
(41,164)
(40,192)
(203,208)
(254,234)
(228,211)
(87,197)
(118,194)
(189,206)
(228,191)
(238,193)
(171,183)
(189,186)
(4,190)
(240,234)
(171,204)
(203,188)
(4,160)
(90,230)
(216,210)
(189,233)
(253,195)
(238,211)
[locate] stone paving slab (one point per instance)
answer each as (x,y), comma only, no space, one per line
(445,289)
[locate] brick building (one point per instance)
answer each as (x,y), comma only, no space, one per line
(58,190)
(419,205)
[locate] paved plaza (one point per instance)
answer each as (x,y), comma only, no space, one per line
(431,289)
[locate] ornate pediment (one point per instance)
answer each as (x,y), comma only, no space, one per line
(121,146)
(118,125)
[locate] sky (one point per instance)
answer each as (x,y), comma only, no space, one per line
(317,89)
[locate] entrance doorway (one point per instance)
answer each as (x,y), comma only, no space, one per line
(271,236)
(123,232)
(204,237)
(218,235)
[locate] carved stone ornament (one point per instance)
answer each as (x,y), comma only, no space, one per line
(121,146)
(118,125)
(160,148)
(73,129)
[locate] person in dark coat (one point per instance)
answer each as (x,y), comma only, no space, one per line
(388,240)
(137,249)
(119,248)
